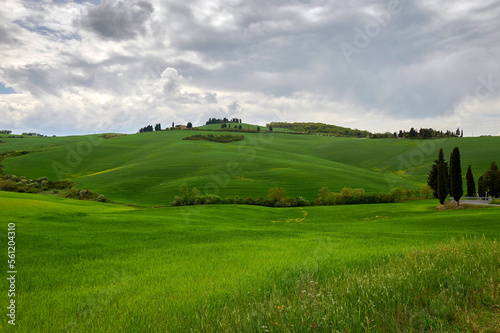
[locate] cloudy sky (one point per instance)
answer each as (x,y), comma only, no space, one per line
(77,67)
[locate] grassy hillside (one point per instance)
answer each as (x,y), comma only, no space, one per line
(108,268)
(148,168)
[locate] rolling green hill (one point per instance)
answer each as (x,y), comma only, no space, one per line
(148,168)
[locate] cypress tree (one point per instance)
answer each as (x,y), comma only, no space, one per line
(492,180)
(471,184)
(432,179)
(456,182)
(442,188)
(480,187)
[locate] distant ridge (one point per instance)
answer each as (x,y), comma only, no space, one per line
(333,130)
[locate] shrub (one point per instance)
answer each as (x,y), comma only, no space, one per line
(102,198)
(346,192)
(398,193)
(72,193)
(322,196)
(42,179)
(249,201)
(194,196)
(8,185)
(387,197)
(300,201)
(260,201)
(177,201)
(83,193)
(201,200)
(275,194)
(213,199)
(279,203)
(426,190)
(222,138)
(234,199)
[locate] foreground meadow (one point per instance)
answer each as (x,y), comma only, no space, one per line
(92,267)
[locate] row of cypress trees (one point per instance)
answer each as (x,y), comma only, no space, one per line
(446,179)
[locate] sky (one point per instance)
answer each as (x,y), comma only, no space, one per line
(79,67)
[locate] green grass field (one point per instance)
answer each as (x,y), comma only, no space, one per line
(92,267)
(147,169)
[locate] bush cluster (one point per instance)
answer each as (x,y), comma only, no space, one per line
(350,196)
(12,183)
(85,194)
(276,198)
(223,138)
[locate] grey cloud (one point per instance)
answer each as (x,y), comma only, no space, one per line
(210,98)
(421,64)
(5,37)
(7,31)
(119,21)
(234,107)
(38,80)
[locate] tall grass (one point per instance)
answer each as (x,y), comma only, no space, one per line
(453,287)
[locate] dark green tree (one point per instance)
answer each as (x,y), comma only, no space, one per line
(471,184)
(456,182)
(432,179)
(189,125)
(480,187)
(492,180)
(442,187)
(258,128)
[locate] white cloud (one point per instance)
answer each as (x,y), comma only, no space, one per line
(116,66)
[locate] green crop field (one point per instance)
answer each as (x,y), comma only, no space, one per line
(147,169)
(92,267)
(144,267)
